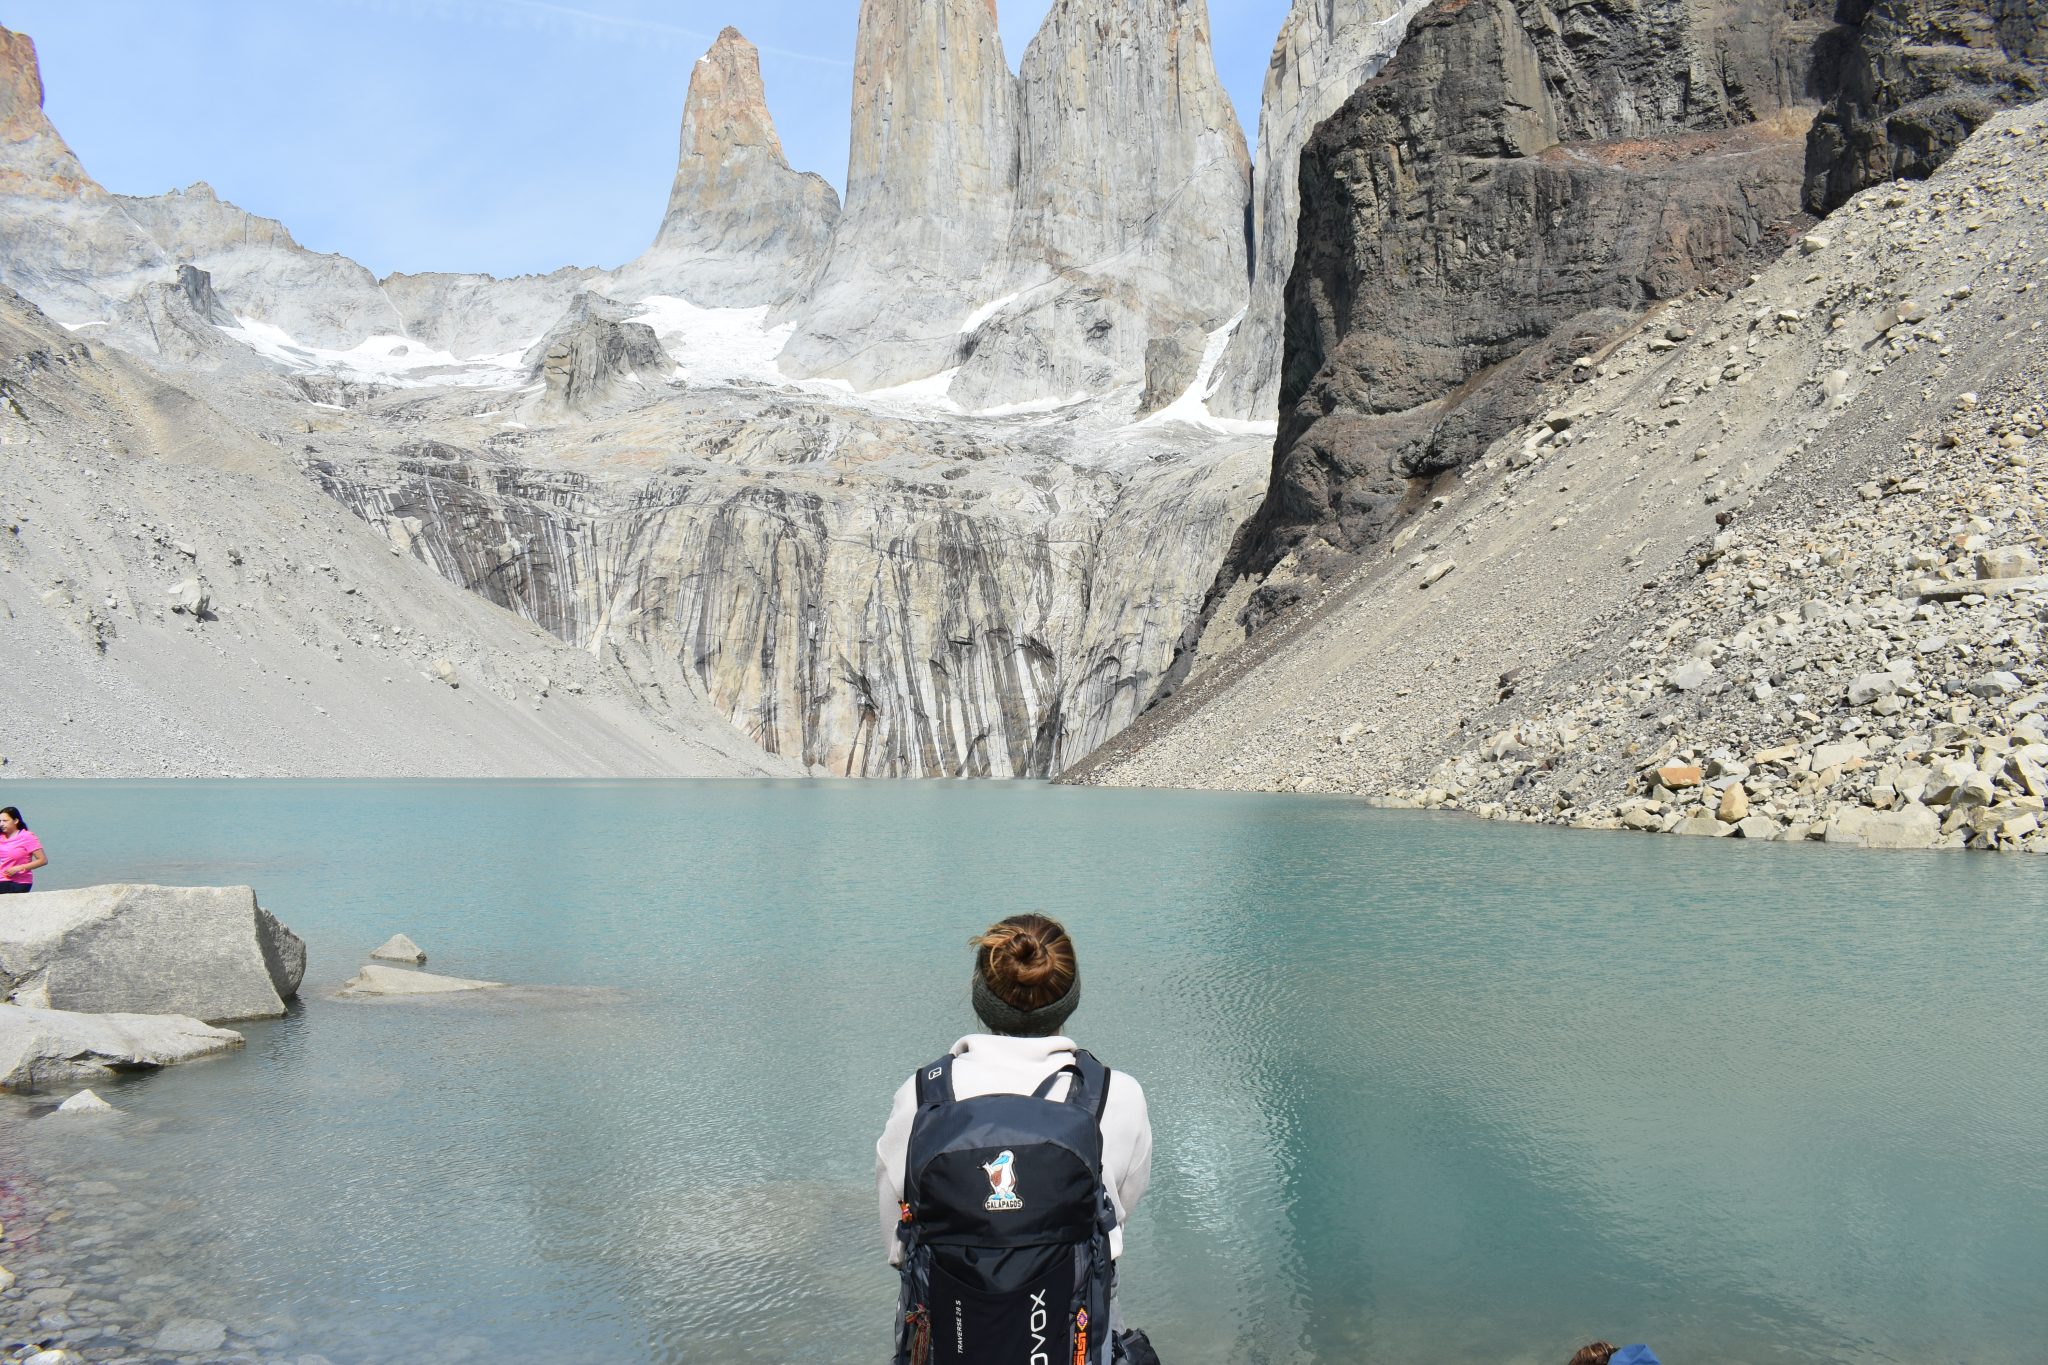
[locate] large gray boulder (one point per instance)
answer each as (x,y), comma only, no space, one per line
(210,952)
(59,1047)
(1914,827)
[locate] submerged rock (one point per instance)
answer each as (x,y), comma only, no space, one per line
(51,1047)
(374,980)
(211,953)
(190,1336)
(399,948)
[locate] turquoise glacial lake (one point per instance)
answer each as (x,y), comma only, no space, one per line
(1423,1089)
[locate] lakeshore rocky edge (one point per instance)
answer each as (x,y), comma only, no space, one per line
(105,982)
(1423,458)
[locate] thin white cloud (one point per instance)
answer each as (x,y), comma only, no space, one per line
(590,23)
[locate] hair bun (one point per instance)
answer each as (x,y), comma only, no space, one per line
(1027,960)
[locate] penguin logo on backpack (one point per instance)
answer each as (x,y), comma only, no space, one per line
(1002,1178)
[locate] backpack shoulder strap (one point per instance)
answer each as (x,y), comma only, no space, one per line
(1091,1083)
(935,1083)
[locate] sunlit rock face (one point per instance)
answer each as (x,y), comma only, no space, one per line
(877,597)
(1514,184)
(742,228)
(1326,50)
(930,187)
(1132,186)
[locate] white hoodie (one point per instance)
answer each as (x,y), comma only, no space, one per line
(992,1064)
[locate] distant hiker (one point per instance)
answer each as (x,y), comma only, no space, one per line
(21,853)
(1007,1171)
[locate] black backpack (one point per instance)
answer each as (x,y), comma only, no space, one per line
(1006,1224)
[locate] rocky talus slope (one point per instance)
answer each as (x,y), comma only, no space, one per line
(1769,568)
(1518,180)
(180,600)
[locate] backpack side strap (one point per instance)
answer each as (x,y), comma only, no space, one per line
(935,1083)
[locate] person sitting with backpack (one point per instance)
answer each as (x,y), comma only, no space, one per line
(1007,1171)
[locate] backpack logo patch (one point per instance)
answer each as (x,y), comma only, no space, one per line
(1002,1178)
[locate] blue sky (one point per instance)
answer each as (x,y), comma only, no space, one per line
(498,135)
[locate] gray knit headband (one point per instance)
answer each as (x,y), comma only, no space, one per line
(1003,1017)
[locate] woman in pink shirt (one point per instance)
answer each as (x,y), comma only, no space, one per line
(21,853)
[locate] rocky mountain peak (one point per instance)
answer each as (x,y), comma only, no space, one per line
(930,185)
(727,105)
(1132,186)
(742,228)
(21,86)
(33,158)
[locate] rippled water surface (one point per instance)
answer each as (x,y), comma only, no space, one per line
(1423,1089)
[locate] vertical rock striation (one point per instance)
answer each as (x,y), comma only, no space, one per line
(930,187)
(1132,187)
(1326,50)
(1917,78)
(876,598)
(1515,182)
(742,228)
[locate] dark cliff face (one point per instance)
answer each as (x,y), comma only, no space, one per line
(1917,77)
(1515,183)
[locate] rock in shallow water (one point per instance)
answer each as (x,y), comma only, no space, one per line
(1913,827)
(49,1047)
(399,948)
(85,1102)
(374,980)
(190,1336)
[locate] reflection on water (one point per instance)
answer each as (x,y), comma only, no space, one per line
(1423,1089)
